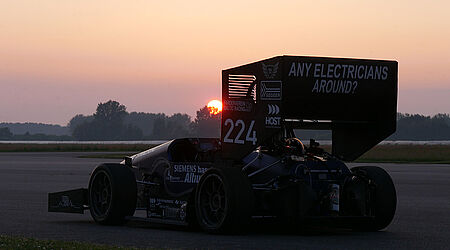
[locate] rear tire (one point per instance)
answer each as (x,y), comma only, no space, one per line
(112,194)
(383,200)
(224,201)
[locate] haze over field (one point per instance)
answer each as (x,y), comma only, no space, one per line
(60,58)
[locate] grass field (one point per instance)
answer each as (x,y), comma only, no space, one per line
(407,153)
(12,242)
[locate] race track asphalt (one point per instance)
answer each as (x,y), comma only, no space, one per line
(422,220)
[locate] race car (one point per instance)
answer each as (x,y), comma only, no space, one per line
(258,168)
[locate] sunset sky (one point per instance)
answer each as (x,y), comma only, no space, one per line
(59,58)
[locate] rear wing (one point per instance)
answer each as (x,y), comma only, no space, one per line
(354,98)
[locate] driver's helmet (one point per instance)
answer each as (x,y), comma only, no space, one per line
(295,144)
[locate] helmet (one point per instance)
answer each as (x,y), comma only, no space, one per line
(295,145)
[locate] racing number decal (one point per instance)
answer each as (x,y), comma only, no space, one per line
(242,124)
(250,136)
(226,139)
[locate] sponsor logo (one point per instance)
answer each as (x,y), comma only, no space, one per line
(161,201)
(188,168)
(273,109)
(185,173)
(242,106)
(273,122)
(183,211)
(184,168)
(334,197)
(65,202)
(270,71)
(270,90)
(192,178)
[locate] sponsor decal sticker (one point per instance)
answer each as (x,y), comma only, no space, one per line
(274,109)
(186,173)
(330,78)
(167,208)
(273,122)
(250,136)
(270,70)
(334,198)
(242,106)
(270,90)
(65,202)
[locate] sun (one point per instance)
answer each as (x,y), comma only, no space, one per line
(214,106)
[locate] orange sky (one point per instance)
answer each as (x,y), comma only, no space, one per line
(60,57)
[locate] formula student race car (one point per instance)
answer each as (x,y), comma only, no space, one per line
(258,168)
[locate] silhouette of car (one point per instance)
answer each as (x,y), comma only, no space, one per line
(259,168)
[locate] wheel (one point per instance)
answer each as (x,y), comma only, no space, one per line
(224,201)
(112,194)
(383,200)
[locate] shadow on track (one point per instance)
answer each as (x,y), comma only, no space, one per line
(258,228)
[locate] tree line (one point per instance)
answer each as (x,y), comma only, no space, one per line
(35,128)
(112,121)
(420,127)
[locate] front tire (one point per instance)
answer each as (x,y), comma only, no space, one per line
(112,194)
(224,201)
(383,198)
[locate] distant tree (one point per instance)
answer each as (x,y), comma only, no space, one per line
(131,132)
(107,124)
(35,128)
(144,121)
(420,127)
(159,128)
(108,121)
(77,120)
(5,134)
(445,118)
(87,131)
(178,126)
(206,124)
(110,112)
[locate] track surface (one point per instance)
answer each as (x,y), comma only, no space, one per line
(422,219)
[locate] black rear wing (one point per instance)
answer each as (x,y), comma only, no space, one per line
(354,98)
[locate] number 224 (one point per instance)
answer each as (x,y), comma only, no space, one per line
(251,134)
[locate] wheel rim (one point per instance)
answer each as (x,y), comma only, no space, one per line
(212,201)
(101,193)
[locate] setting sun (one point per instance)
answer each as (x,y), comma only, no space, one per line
(215,107)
